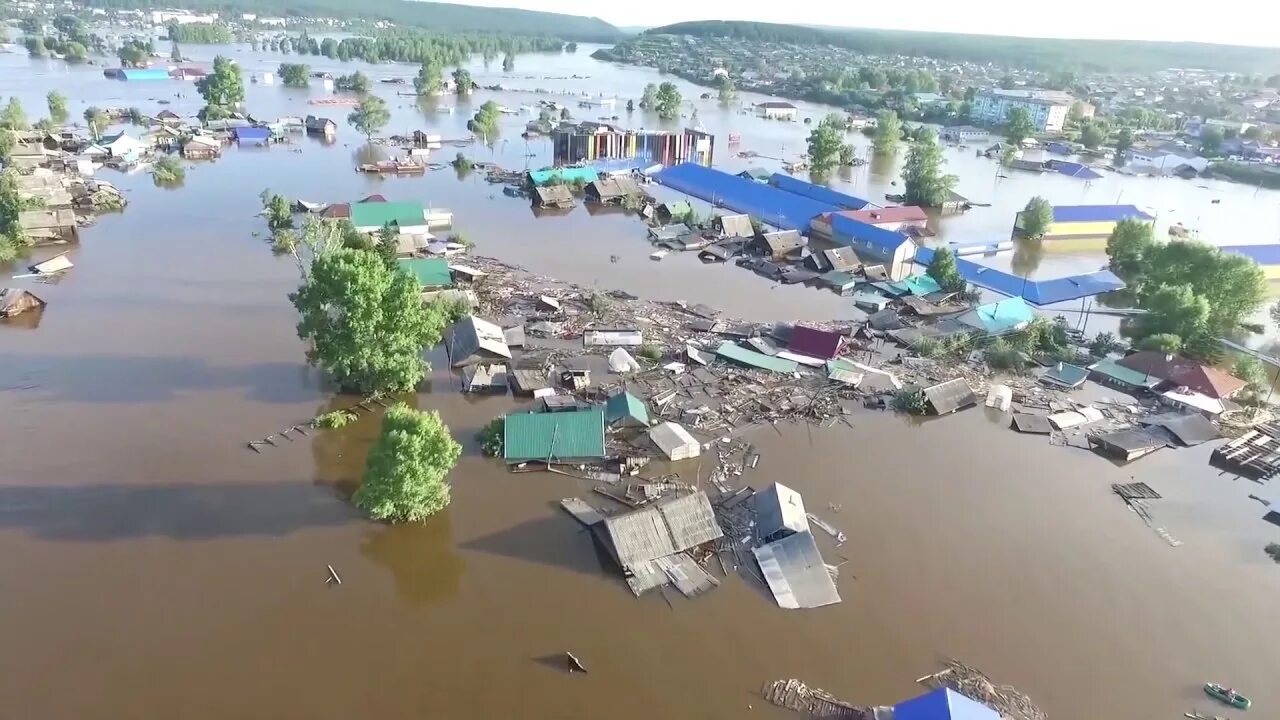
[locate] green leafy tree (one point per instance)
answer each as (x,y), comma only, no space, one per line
(1036,217)
(1128,246)
(848,155)
(943,269)
(888,133)
(134,53)
(649,99)
(12,236)
(825,143)
(462,81)
(1210,141)
(57,106)
(13,117)
(370,116)
(294,75)
(1018,126)
(35,46)
(329,48)
(1092,135)
(1124,141)
(365,323)
(1010,155)
(74,52)
(485,122)
(96,120)
(7,143)
(668,101)
(167,172)
(388,245)
(428,81)
(222,89)
(1174,310)
(1233,285)
(175,52)
(508,63)
(278,210)
(357,82)
(728,91)
(404,478)
(571,47)
(1249,369)
(1105,343)
(631,106)
(1164,343)
(926,184)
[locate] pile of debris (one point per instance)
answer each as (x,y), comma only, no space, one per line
(972,683)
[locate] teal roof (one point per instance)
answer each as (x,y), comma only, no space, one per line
(1066,374)
(554,436)
(921,285)
(1128,376)
(571,174)
(625,405)
(739,354)
(430,272)
(1005,315)
(679,207)
(379,214)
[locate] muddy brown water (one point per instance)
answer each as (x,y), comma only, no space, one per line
(152,565)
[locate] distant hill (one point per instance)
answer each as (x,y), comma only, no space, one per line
(1040,53)
(440,17)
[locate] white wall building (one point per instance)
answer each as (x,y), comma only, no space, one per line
(166,17)
(1165,159)
(1048,108)
(777,110)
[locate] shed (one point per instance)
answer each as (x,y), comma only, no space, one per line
(1110,372)
(779,513)
(738,354)
(613,189)
(871,302)
(1073,418)
(407,217)
(553,196)
(528,382)
(583,175)
(1000,317)
(734,226)
(15,301)
(1189,429)
(48,224)
(793,569)
(1032,424)
(320,126)
(670,526)
(555,437)
(943,704)
(1127,444)
(1064,375)
(674,441)
(429,272)
(252,136)
(950,396)
(841,259)
(778,245)
(475,339)
(841,283)
(623,409)
(56,264)
(485,378)
(621,337)
(813,342)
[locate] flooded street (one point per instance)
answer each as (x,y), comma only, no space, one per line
(151,562)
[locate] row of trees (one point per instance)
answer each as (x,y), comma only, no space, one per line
(420,47)
(200,33)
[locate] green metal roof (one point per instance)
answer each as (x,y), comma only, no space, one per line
(378,214)
(921,285)
(571,174)
(430,272)
(1004,315)
(625,405)
(739,354)
(555,436)
(1114,370)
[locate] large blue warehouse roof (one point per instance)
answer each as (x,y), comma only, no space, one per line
(943,704)
(1036,292)
(877,239)
(1097,213)
(765,202)
(821,193)
(1262,254)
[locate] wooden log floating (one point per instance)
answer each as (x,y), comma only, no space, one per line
(333,576)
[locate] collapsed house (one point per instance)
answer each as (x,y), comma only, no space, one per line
(555,196)
(652,544)
(788,553)
(475,340)
(15,301)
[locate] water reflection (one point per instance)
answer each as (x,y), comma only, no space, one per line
(420,556)
(339,453)
(369,154)
(1027,255)
(882,166)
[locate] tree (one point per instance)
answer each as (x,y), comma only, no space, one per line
(571,47)
(1210,141)
(848,155)
(667,103)
(1165,343)
(825,143)
(294,75)
(1018,126)
(388,245)
(1173,310)
(728,91)
(485,122)
(631,106)
(329,48)
(462,81)
(370,116)
(508,62)
(1092,135)
(428,80)
(278,211)
(926,185)
(74,52)
(1127,248)
(175,53)
(7,142)
(1124,141)
(1249,369)
(564,114)
(1254,132)
(168,171)
(1036,217)
(222,89)
(96,120)
(888,133)
(357,82)
(649,99)
(942,268)
(365,323)
(404,477)
(1105,343)
(134,53)
(35,46)
(13,117)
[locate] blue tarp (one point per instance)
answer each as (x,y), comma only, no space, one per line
(764,202)
(821,193)
(866,236)
(1096,213)
(1036,292)
(943,704)
(1261,254)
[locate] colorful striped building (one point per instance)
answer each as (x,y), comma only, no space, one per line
(1085,227)
(589,141)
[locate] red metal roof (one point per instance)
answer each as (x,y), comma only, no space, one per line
(1186,373)
(905,213)
(337,211)
(375,198)
(822,344)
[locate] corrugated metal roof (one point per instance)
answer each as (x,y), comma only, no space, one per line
(1036,292)
(1114,370)
(558,436)
(950,396)
(665,528)
(1268,254)
(779,511)
(739,354)
(430,272)
(674,441)
(895,214)
(943,704)
(795,573)
(1097,213)
(1001,316)
(765,202)
(866,237)
(571,174)
(472,335)
(624,405)
(821,193)
(379,214)
(813,342)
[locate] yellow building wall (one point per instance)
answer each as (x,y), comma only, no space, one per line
(1073,244)
(1080,229)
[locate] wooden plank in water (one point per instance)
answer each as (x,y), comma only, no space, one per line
(1135,491)
(581,511)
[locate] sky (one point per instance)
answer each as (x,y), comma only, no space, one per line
(1111,19)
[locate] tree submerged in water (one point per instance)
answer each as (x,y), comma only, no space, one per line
(404,479)
(1273,549)
(167,172)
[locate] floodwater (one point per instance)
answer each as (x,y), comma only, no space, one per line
(151,562)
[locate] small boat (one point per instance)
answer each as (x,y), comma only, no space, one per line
(1226,695)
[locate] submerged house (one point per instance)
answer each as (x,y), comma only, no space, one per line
(613,189)
(1001,317)
(402,217)
(574,436)
(894,250)
(650,543)
(1185,383)
(943,704)
(252,136)
(475,340)
(788,554)
(15,301)
(201,147)
(780,245)
(322,126)
(624,410)
(950,396)
(431,273)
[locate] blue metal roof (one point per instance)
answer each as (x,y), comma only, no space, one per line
(144,74)
(1074,169)
(867,236)
(1002,316)
(821,193)
(1036,292)
(943,704)
(1097,213)
(1261,254)
(253,133)
(765,202)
